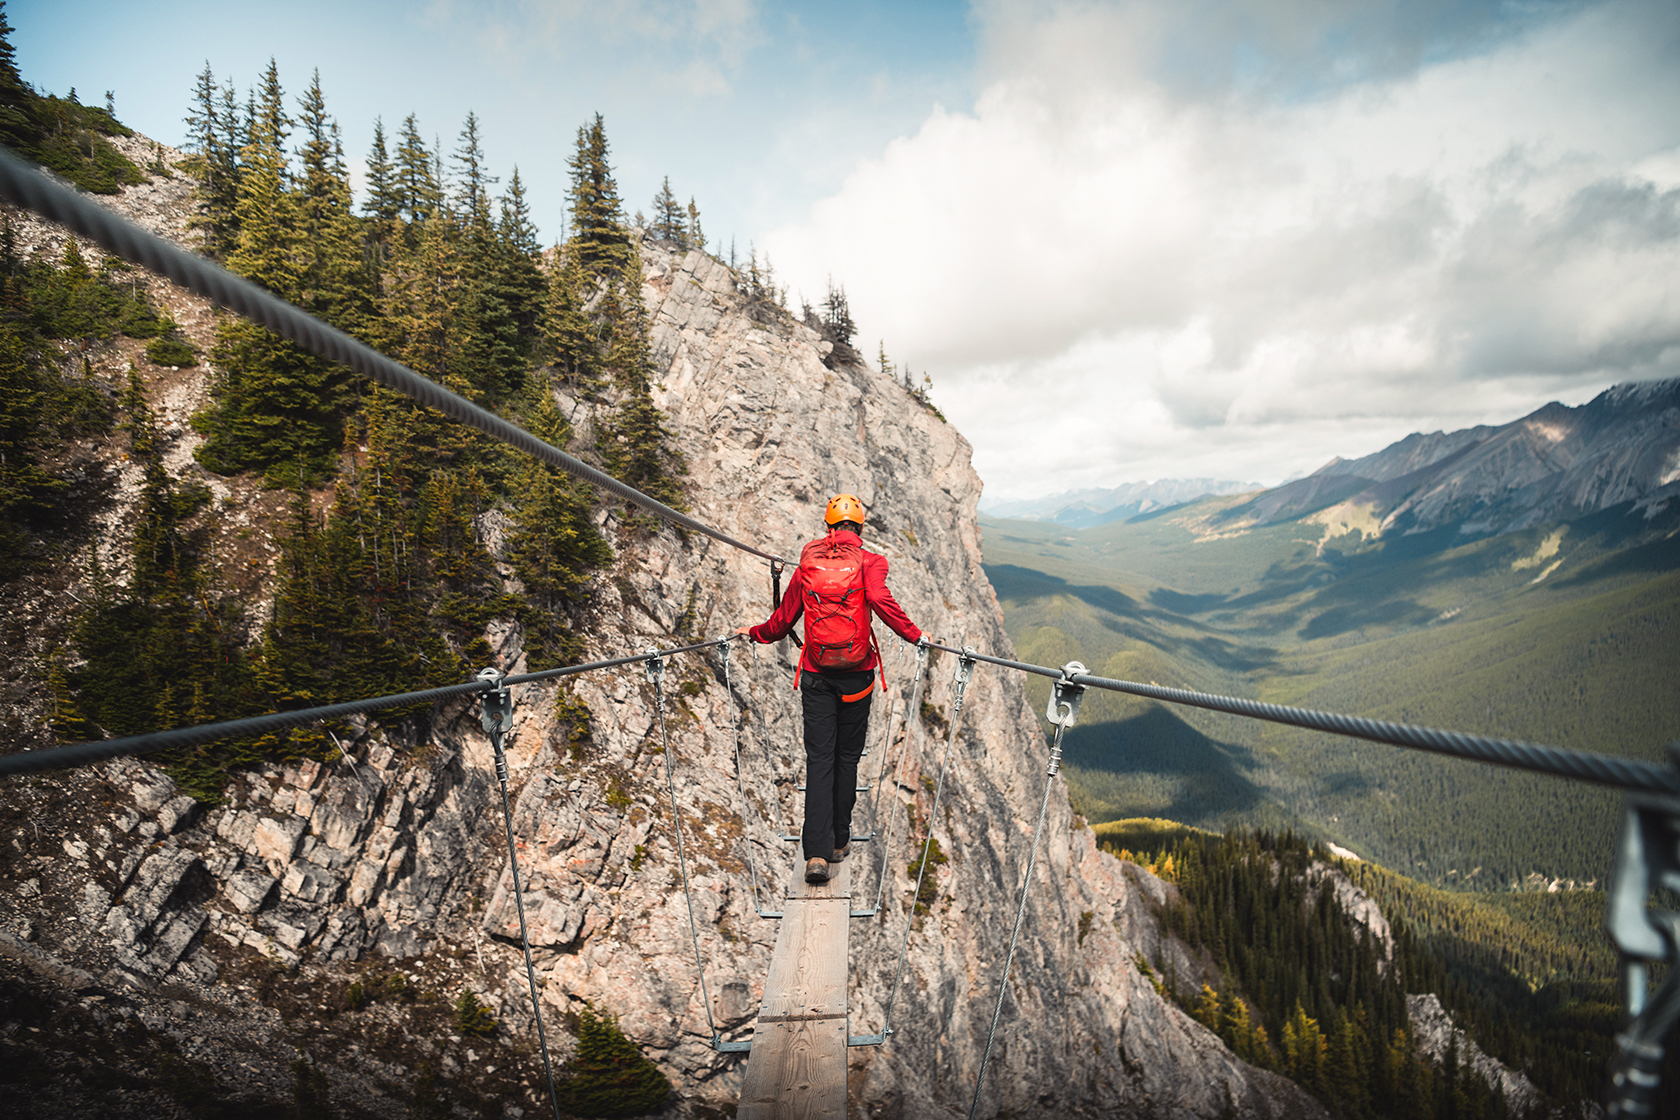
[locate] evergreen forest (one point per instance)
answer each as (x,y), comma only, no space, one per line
(385,582)
(1307,991)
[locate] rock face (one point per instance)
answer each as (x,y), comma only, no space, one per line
(391,864)
(1556,464)
(1436,1036)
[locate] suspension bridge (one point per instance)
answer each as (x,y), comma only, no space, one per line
(796,1057)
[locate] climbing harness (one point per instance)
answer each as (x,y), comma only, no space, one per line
(1063,709)
(964,673)
(656,674)
(497,720)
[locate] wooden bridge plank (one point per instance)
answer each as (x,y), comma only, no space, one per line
(797,1065)
(808,970)
(796,1070)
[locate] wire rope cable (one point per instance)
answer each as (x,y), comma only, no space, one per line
(81,754)
(903,753)
(498,710)
(1066,712)
(1584,766)
(740,787)
(656,674)
(24,186)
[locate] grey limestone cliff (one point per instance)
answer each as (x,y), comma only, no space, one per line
(234,930)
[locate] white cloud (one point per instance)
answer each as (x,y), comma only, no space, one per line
(1183,263)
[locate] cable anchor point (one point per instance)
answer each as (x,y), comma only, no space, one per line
(497,718)
(1647,858)
(965,673)
(1063,709)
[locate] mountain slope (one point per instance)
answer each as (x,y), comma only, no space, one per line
(1556,464)
(1560,632)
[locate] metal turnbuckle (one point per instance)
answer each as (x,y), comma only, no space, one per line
(1647,858)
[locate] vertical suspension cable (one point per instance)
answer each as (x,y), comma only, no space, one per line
(903,752)
(1063,713)
(498,712)
(656,674)
(740,788)
(965,670)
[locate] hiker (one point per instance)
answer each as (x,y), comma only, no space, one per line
(837,584)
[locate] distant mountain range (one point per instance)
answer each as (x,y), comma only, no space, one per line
(1083,509)
(1555,464)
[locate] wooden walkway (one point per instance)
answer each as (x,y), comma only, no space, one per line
(797,1065)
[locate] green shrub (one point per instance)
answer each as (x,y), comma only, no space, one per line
(935,858)
(472,1017)
(171,350)
(610,1077)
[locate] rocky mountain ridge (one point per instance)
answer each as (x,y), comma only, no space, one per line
(1556,464)
(307,934)
(1084,509)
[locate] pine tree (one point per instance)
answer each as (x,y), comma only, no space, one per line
(17,127)
(569,339)
(609,1075)
(384,203)
(523,286)
(696,238)
(837,316)
(215,163)
(556,545)
(474,195)
(668,224)
(264,252)
(417,186)
(328,247)
(26,489)
(598,233)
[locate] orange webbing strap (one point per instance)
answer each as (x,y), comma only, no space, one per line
(880,668)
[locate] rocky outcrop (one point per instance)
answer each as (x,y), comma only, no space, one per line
(278,911)
(1436,1037)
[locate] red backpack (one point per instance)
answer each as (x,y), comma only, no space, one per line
(837,632)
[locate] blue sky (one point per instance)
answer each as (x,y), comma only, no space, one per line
(1128,239)
(754,112)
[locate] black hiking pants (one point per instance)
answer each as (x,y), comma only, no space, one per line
(834,735)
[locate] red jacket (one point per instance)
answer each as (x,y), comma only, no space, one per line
(875,592)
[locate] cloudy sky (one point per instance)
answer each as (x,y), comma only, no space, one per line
(1127,240)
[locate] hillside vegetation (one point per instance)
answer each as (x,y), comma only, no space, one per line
(1306,990)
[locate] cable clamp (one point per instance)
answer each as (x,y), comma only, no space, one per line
(1065,697)
(964,674)
(1647,860)
(498,702)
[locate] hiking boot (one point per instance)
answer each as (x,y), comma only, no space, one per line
(841,852)
(816,870)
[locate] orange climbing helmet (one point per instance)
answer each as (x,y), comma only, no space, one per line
(844,507)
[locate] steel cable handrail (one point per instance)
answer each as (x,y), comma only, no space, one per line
(81,754)
(1584,766)
(22,185)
